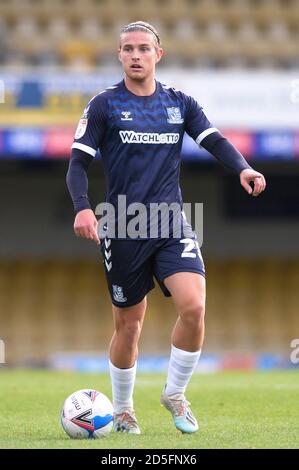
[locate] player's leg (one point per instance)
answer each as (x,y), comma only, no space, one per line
(129,278)
(128,323)
(188,292)
(123,356)
(180,271)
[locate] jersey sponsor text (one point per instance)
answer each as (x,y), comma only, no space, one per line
(132,137)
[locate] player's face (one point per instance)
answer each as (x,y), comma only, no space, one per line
(138,53)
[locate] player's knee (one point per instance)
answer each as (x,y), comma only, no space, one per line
(128,322)
(132,331)
(193,313)
(129,328)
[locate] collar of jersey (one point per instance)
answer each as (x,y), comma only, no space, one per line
(156,92)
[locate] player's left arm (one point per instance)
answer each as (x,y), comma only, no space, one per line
(250,175)
(205,135)
(228,155)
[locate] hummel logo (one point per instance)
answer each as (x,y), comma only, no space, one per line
(126,116)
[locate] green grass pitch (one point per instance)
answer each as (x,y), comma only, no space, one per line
(234,410)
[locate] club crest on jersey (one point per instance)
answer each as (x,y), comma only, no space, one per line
(174,116)
(118,294)
(126,116)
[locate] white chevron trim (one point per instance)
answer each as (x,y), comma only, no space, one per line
(108,265)
(107,242)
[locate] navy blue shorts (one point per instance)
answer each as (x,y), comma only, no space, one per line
(131,265)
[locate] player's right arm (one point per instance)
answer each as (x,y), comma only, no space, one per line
(85,224)
(88,136)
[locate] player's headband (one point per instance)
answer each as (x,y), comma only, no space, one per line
(139,26)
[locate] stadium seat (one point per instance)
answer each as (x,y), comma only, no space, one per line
(247,31)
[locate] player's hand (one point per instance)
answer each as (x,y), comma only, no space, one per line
(86,224)
(247,175)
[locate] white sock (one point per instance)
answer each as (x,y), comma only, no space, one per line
(180,369)
(122,387)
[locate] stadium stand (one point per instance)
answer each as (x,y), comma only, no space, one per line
(208,32)
(64,306)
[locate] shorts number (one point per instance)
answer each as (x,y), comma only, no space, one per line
(190,245)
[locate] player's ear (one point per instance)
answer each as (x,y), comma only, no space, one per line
(159,54)
(119,56)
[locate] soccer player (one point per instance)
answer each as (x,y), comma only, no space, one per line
(138,126)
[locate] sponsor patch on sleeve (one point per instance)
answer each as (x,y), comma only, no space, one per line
(82,126)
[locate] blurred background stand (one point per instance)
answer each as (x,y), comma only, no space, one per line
(240,59)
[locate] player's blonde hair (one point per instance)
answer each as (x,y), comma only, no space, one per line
(145,27)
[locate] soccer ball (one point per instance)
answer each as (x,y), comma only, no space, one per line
(87,414)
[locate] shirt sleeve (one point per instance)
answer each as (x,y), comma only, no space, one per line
(225,152)
(77,181)
(197,124)
(91,127)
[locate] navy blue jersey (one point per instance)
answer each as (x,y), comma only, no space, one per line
(140,140)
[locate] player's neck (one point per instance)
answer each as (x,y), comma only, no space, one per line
(141,88)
